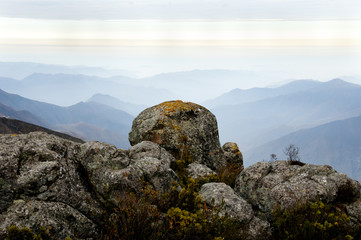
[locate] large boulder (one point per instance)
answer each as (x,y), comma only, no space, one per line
(283,184)
(42,184)
(186,130)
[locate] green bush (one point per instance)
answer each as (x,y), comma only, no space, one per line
(313,221)
(203,224)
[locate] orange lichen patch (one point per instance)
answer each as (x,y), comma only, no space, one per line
(172,107)
(235,148)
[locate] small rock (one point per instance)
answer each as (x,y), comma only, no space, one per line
(220,195)
(232,153)
(196,170)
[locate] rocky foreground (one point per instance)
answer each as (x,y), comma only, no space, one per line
(48,181)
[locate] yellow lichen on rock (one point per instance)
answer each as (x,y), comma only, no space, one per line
(172,107)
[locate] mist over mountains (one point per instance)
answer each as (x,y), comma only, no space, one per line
(20,70)
(254,123)
(66,86)
(322,118)
(90,121)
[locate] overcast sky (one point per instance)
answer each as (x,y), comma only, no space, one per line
(182,9)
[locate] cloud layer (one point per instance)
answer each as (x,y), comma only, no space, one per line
(182,9)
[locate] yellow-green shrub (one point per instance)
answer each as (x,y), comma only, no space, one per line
(16,233)
(312,221)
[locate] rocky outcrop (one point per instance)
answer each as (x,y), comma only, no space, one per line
(186,130)
(267,185)
(49,181)
(43,181)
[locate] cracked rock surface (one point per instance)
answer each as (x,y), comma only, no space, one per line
(267,185)
(48,181)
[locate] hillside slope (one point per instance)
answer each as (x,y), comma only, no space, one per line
(14,126)
(255,123)
(94,114)
(336,143)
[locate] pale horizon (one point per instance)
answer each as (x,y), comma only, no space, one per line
(285,39)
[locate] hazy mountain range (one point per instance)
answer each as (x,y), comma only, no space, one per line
(254,123)
(66,86)
(131,108)
(86,120)
(20,70)
(67,89)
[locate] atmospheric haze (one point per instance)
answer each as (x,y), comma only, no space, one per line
(280,39)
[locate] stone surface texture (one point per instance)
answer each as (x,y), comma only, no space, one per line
(267,185)
(48,181)
(197,170)
(224,198)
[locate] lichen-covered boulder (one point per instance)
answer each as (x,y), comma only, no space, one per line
(62,219)
(267,185)
(186,130)
(42,184)
(223,197)
(232,153)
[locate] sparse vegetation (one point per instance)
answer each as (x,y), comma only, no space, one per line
(292,153)
(313,221)
(16,233)
(273,157)
(229,173)
(178,214)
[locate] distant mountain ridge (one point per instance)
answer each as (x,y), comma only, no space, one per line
(131,108)
(26,116)
(239,96)
(255,123)
(101,116)
(69,89)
